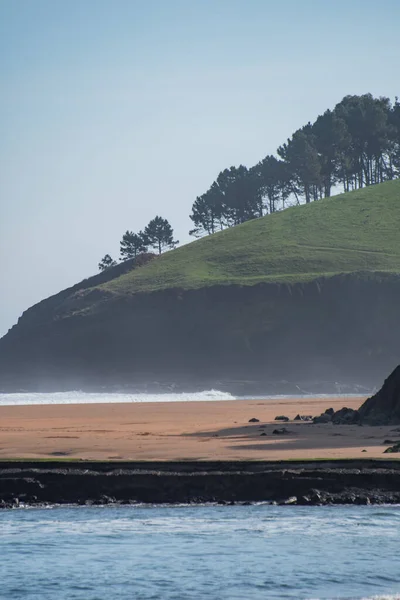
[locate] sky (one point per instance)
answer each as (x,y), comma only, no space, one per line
(115,111)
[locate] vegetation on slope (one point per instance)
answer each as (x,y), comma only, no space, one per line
(357,231)
(355,145)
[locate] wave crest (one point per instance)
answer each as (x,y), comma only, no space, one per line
(78,397)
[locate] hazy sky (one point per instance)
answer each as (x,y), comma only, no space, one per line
(113,111)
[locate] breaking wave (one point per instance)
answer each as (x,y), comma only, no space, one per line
(78,397)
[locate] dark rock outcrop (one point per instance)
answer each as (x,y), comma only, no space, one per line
(346,416)
(381,409)
(282,418)
(324,418)
(384,407)
(393,449)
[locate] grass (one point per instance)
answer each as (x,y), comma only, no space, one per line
(358,231)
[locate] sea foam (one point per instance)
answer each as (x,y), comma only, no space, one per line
(78,397)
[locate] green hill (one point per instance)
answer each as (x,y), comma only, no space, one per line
(219,315)
(357,231)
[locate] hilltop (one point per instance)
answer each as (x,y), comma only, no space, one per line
(304,295)
(356,231)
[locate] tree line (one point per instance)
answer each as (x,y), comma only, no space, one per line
(158,235)
(354,145)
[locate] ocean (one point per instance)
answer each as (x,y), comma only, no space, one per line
(200,552)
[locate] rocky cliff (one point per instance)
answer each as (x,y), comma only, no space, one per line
(344,327)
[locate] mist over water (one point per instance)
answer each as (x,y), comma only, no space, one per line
(78,397)
(254,552)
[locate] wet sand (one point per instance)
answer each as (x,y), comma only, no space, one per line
(186,431)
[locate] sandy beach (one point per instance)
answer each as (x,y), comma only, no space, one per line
(185,430)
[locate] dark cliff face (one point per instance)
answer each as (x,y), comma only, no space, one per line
(384,407)
(344,327)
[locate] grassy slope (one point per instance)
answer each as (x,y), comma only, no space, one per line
(359,231)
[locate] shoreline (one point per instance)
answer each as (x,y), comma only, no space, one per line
(193,452)
(227,430)
(360,482)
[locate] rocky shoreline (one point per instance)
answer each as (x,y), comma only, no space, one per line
(228,482)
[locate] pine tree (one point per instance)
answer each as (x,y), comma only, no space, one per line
(106,262)
(304,163)
(160,235)
(132,244)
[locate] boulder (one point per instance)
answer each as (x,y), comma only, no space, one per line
(281,431)
(346,416)
(393,449)
(329,411)
(316,497)
(290,500)
(254,420)
(324,418)
(282,418)
(303,418)
(303,500)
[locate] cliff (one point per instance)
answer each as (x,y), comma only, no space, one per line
(344,327)
(310,294)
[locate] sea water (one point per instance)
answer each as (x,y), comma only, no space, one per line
(200,552)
